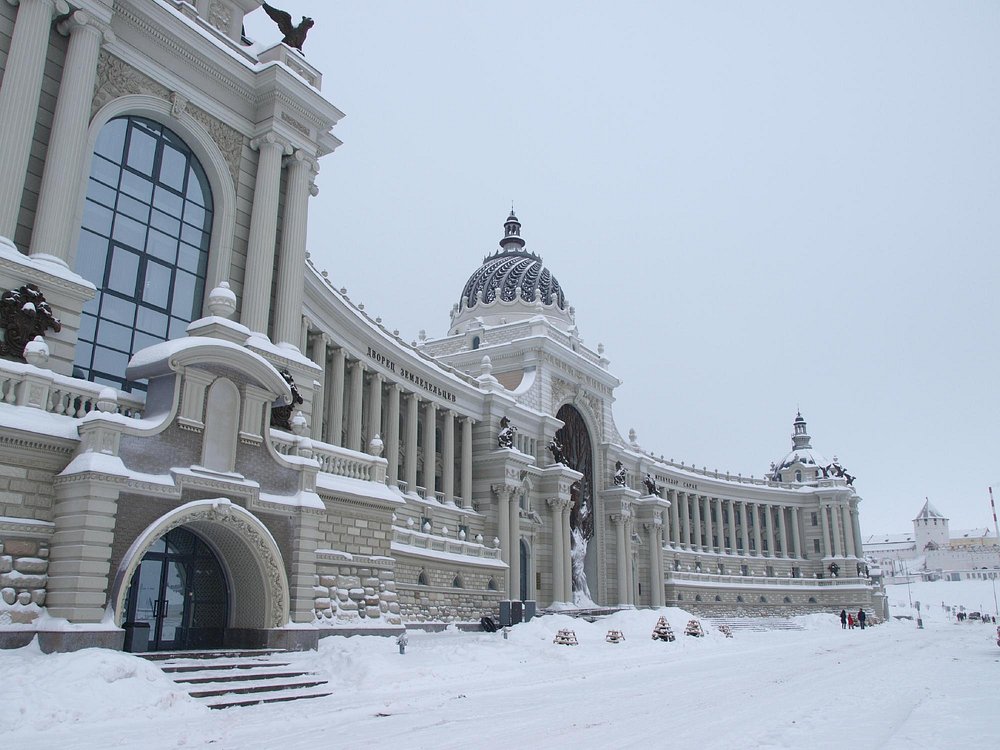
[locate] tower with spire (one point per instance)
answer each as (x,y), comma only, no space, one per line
(930,529)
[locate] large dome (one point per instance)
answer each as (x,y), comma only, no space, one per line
(511,284)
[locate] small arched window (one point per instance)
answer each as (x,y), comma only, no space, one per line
(739,598)
(475,342)
(788,600)
(718,598)
(697,597)
(422,579)
(812,599)
(492,585)
(798,476)
(457,582)
(763,600)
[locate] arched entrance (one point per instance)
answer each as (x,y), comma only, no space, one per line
(574,437)
(191,553)
(180,591)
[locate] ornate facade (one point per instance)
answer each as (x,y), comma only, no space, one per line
(186,463)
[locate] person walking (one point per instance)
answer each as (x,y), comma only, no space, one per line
(861,618)
(843,619)
(850,622)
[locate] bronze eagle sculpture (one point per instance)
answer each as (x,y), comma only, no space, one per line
(295,36)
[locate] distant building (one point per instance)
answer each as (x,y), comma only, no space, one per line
(935,551)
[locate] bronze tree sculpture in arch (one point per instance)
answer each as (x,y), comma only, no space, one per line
(574,437)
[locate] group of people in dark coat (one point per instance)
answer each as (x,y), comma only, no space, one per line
(848,621)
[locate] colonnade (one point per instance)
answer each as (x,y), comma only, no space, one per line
(703,523)
(356,403)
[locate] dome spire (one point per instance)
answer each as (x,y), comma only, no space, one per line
(800,438)
(512,241)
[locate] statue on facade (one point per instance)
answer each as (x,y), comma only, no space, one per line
(619,474)
(836,470)
(281,414)
(24,314)
(505,438)
(295,36)
(556,449)
(650,485)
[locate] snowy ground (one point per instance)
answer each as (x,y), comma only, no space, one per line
(894,686)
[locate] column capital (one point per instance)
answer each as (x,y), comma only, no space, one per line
(270,140)
(297,157)
(558,503)
(394,386)
(622,517)
(504,491)
(81,20)
(59,7)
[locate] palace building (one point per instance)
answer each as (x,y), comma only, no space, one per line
(186,464)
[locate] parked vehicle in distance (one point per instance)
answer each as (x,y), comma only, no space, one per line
(974,616)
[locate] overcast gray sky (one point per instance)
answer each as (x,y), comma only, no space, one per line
(756,207)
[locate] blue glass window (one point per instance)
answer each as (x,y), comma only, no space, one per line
(144,244)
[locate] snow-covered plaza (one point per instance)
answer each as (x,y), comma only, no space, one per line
(890,686)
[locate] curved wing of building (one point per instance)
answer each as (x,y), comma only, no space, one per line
(205,442)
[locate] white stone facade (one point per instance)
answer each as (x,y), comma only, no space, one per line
(152,443)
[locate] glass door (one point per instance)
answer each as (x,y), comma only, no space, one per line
(179,591)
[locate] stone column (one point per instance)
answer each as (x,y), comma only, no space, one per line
(655,564)
(733,545)
(19,94)
(292,259)
(335,400)
(448,456)
(782,532)
(796,537)
(263,231)
(682,498)
(756,531)
(410,468)
(567,553)
(826,531)
(667,529)
(619,521)
(67,155)
(558,553)
(392,436)
(317,354)
(675,524)
(354,405)
(720,526)
(838,545)
(467,462)
(848,530)
(430,448)
(744,528)
(706,512)
(770,529)
(514,508)
(856,531)
(374,406)
(503,530)
(696,541)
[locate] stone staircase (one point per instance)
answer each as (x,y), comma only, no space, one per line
(754,624)
(239,677)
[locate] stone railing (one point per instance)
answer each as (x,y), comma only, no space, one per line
(27,385)
(444,544)
(333,459)
(772,581)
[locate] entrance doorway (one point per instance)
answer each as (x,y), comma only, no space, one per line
(179,591)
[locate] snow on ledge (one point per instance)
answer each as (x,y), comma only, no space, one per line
(433,554)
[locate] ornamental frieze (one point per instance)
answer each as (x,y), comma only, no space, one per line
(116,78)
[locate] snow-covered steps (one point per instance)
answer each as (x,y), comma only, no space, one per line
(755,624)
(224,679)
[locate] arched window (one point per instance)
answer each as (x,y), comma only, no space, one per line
(422,579)
(718,598)
(457,582)
(144,244)
(475,342)
(492,585)
(798,476)
(739,598)
(812,599)
(788,600)
(697,597)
